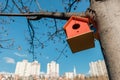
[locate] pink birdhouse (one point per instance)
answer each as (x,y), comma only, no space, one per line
(79,35)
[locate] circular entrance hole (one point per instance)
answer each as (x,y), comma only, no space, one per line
(76,26)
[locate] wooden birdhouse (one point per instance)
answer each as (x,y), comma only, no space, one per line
(79,35)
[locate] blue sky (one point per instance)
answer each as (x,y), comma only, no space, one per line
(17,31)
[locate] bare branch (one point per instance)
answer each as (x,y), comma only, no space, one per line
(62,52)
(32,36)
(70,6)
(17,6)
(53,34)
(38,15)
(5,40)
(6,5)
(36,1)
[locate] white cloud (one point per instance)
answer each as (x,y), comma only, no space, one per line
(9,60)
(20,55)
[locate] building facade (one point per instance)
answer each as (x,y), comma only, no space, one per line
(98,68)
(70,75)
(53,69)
(26,68)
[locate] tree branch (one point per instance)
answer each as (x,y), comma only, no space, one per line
(39,15)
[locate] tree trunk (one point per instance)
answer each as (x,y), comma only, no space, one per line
(108,23)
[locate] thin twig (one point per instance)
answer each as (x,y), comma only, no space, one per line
(36,1)
(17,6)
(32,36)
(62,52)
(6,5)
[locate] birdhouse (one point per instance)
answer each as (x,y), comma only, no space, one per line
(79,35)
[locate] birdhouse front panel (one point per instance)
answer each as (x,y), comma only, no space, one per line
(75,28)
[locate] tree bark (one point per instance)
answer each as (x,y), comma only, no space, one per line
(107,19)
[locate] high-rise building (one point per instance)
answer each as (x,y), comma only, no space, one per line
(26,68)
(74,71)
(53,69)
(71,75)
(97,68)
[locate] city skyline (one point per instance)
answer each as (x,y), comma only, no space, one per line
(28,70)
(96,68)
(23,71)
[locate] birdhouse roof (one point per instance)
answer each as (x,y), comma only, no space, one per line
(86,20)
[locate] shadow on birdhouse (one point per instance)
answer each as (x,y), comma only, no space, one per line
(79,35)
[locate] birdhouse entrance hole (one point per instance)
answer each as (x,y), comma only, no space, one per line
(76,26)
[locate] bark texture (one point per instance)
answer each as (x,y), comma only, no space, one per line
(108,23)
